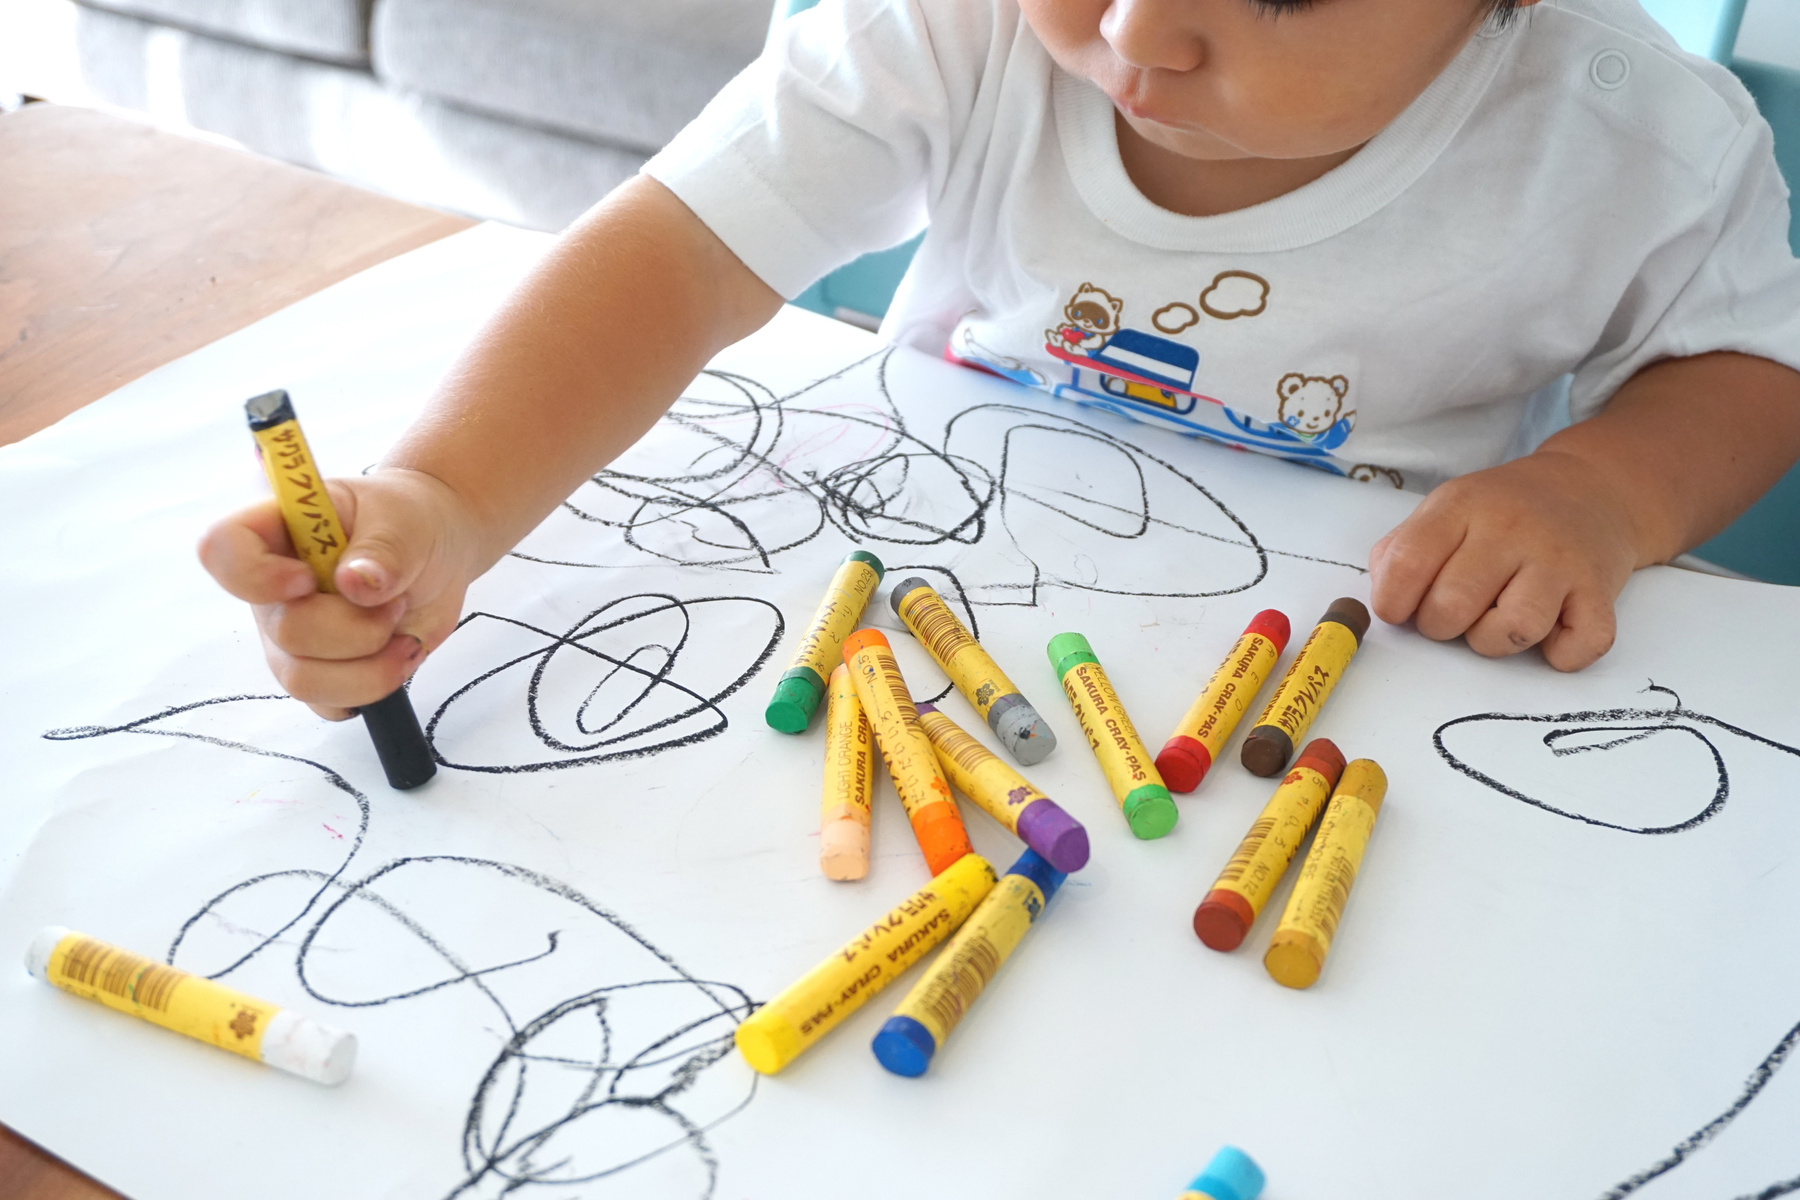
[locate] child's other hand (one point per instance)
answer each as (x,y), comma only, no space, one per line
(400,587)
(1532,552)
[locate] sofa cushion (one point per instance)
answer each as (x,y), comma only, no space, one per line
(332,30)
(343,121)
(631,72)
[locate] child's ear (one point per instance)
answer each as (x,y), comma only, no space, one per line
(1340,385)
(1290,384)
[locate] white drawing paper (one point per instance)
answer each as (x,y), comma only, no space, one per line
(1570,968)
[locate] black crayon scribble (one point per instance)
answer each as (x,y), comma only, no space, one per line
(1633,725)
(611,686)
(592,1086)
(147,725)
(764,474)
(1575,733)
(1685,1148)
(622,1071)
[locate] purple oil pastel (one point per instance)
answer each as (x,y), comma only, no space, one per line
(1053,833)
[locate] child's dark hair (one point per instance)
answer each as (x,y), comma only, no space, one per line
(1500,12)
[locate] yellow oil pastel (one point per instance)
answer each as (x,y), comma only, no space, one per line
(1302,692)
(1194,747)
(1297,952)
(312,523)
(191,1005)
(986,940)
(780,1030)
(976,675)
(1221,704)
(801,686)
(1024,733)
(978,772)
(163,995)
(1248,880)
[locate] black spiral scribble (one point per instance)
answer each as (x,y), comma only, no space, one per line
(548,1109)
(631,651)
(1634,725)
(764,474)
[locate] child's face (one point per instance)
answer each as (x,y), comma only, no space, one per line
(1231,79)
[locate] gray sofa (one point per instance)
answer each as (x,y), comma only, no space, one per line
(525,111)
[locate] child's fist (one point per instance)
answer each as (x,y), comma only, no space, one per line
(1532,552)
(400,586)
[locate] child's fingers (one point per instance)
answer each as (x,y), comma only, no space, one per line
(386,553)
(1584,632)
(329,627)
(250,561)
(1523,615)
(1466,587)
(328,685)
(1410,558)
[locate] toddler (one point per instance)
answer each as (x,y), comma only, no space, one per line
(1388,238)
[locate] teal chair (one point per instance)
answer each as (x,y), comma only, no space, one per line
(1764,543)
(858,292)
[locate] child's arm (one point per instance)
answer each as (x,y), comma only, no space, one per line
(580,361)
(1536,550)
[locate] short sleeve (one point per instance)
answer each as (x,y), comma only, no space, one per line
(828,146)
(1726,281)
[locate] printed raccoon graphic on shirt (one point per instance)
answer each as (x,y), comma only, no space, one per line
(1091,318)
(1101,356)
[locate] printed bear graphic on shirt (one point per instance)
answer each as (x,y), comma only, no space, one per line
(1311,405)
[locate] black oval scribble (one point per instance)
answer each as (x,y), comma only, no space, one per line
(1601,731)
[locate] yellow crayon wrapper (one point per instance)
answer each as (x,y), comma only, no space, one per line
(318,537)
(1303,691)
(1025,734)
(978,772)
(975,953)
(312,523)
(1309,680)
(907,751)
(820,649)
(1194,747)
(1264,854)
(845,809)
(780,1030)
(1004,794)
(191,1005)
(1130,772)
(1227,695)
(163,995)
(1297,952)
(976,675)
(1248,880)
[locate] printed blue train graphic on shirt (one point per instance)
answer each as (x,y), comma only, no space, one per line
(1149,376)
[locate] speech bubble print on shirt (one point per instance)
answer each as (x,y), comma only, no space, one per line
(1173,318)
(1235,294)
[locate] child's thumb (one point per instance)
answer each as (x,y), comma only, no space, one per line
(377,565)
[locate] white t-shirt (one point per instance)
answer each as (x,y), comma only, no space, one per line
(1572,197)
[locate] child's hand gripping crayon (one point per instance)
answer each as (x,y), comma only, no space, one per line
(347,607)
